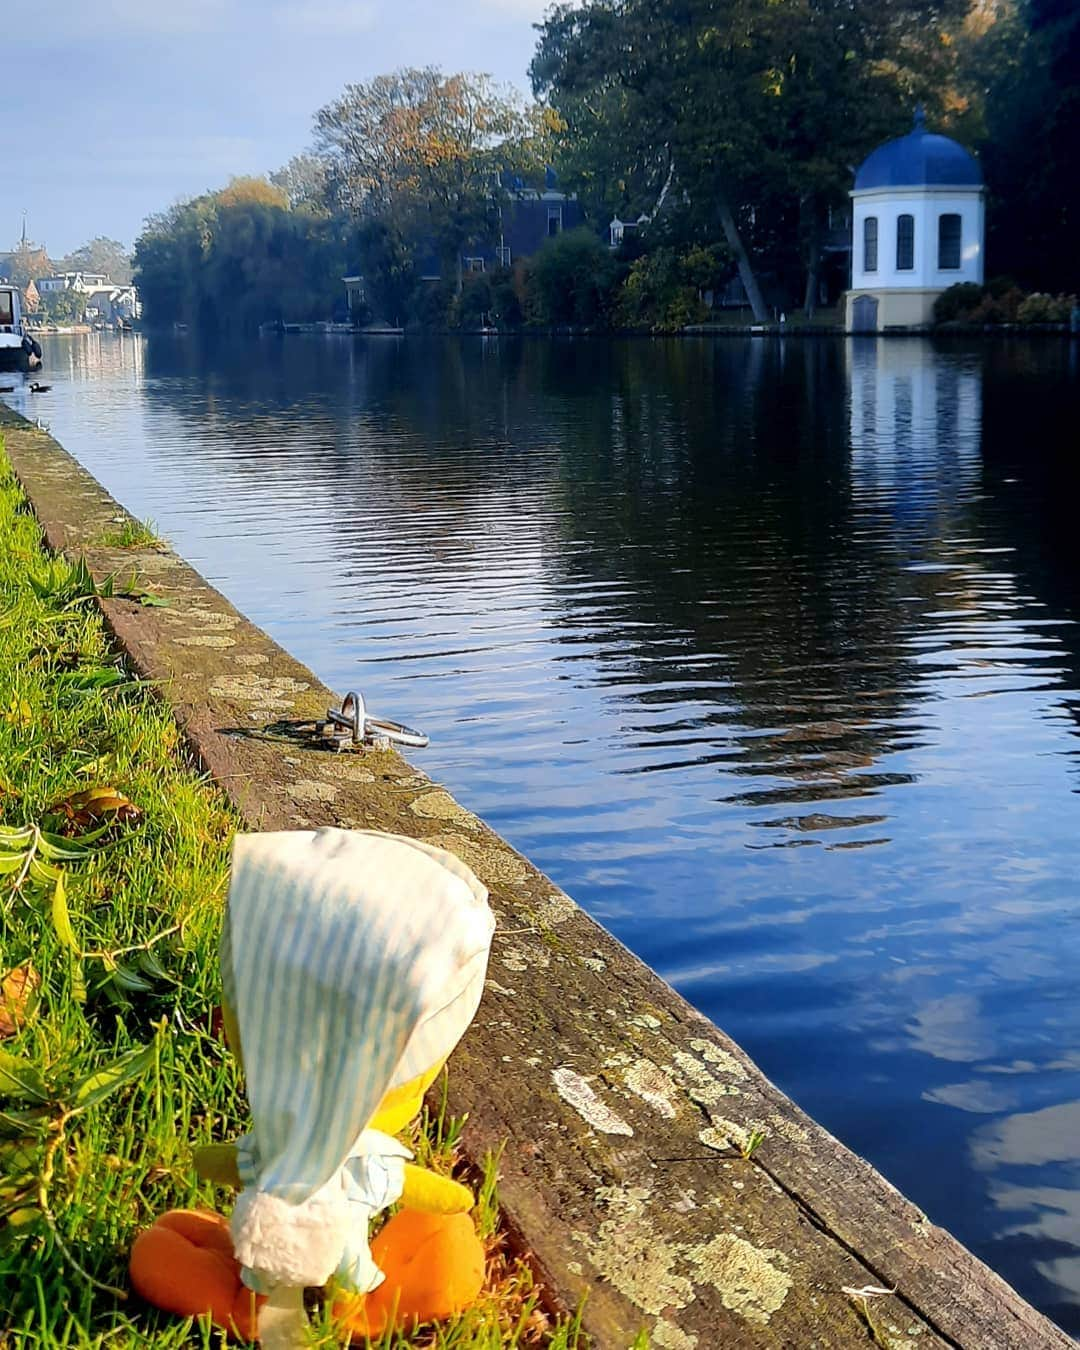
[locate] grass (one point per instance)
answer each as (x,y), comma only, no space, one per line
(749,1145)
(131,533)
(113,873)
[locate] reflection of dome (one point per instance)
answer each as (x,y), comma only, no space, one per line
(919,159)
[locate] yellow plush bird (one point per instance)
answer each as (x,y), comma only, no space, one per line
(352,964)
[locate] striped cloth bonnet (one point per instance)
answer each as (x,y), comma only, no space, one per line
(353,961)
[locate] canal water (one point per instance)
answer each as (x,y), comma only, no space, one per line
(767,651)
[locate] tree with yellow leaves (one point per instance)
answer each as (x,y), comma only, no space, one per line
(426,149)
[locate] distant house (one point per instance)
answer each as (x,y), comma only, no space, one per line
(83,282)
(528,215)
(121,303)
(106,299)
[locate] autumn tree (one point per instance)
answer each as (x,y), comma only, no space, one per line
(423,150)
(251,191)
(28,262)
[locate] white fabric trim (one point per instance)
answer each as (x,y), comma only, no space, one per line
(290,1244)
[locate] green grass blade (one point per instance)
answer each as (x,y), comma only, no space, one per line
(97,1086)
(20,1079)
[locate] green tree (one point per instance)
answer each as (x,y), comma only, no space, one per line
(63,307)
(386,263)
(572,280)
(750,112)
(662,291)
(107,256)
(238,258)
(1031,150)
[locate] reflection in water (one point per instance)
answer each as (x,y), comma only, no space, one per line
(764,650)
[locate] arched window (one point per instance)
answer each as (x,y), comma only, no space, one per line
(905,243)
(869,244)
(948,242)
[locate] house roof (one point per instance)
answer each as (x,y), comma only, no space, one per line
(919,159)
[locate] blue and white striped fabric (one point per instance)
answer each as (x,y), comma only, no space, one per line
(354,961)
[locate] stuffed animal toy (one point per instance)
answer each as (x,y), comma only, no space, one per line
(352,964)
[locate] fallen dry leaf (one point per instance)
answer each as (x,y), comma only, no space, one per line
(18,998)
(97,806)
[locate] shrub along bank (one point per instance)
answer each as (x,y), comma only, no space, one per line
(1001,301)
(113,874)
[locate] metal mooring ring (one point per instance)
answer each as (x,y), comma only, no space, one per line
(394,731)
(353,718)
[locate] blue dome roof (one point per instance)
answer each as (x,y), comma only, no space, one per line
(919,159)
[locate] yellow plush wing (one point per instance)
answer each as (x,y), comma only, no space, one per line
(434,1194)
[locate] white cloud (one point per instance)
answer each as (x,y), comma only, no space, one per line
(951,1028)
(1031,1139)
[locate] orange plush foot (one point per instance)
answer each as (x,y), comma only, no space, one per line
(434,1267)
(185,1265)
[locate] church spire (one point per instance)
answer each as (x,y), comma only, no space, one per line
(24,240)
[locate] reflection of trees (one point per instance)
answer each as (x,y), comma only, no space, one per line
(400,441)
(732,526)
(1030,426)
(708,520)
(717,533)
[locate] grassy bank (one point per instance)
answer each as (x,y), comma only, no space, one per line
(113,874)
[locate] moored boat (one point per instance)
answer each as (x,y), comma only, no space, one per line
(18,351)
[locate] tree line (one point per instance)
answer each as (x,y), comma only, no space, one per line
(726,130)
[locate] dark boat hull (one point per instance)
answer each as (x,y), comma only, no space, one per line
(14,358)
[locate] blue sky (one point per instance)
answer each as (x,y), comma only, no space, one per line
(146,101)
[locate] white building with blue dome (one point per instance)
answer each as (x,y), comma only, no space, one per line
(918,227)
